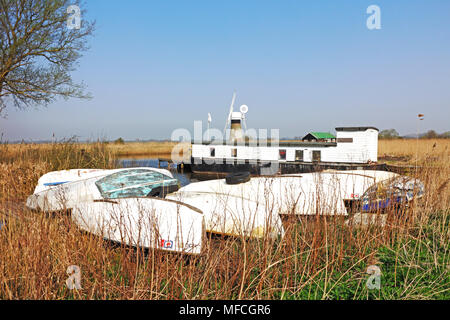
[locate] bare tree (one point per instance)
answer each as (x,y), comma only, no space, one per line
(38,51)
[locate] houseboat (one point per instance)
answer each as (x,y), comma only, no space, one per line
(352,148)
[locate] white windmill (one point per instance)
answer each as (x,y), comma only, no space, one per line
(235,120)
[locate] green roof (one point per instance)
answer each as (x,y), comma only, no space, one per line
(323,135)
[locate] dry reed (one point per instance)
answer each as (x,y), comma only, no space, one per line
(317,259)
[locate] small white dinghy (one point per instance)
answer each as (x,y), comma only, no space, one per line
(62,190)
(112,204)
(143,222)
(57,178)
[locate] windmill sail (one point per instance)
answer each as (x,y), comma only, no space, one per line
(229,114)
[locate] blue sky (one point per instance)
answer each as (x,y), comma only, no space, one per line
(155,66)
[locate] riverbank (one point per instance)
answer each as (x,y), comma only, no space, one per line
(394,151)
(323,259)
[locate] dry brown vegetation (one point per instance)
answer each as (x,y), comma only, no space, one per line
(318,259)
(126,149)
(400,150)
(147,149)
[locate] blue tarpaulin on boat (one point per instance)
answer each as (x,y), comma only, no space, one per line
(392,192)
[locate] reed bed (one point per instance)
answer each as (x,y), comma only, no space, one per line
(147,149)
(410,150)
(316,259)
(122,149)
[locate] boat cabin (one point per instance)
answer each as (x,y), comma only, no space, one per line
(319,137)
(351,145)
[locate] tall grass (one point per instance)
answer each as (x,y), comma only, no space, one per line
(318,258)
(147,149)
(409,149)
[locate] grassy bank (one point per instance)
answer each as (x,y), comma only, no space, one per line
(315,260)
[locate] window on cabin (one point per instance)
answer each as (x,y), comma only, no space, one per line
(234,152)
(282,154)
(212,152)
(316,155)
(298,155)
(345,140)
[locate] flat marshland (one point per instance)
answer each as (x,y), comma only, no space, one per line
(137,149)
(122,149)
(317,259)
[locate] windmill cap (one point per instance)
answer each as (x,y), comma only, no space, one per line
(236,116)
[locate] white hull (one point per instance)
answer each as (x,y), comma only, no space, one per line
(250,209)
(145,222)
(62,190)
(55,178)
(253,208)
